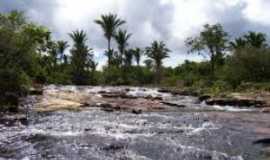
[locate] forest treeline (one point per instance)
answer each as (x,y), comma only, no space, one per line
(30,56)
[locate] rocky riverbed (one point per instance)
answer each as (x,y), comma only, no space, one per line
(126,123)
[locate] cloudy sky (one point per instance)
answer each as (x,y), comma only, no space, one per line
(169,20)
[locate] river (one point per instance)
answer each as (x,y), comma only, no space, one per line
(195,131)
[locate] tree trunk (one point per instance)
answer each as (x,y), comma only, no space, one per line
(109,50)
(212,61)
(212,66)
(158,74)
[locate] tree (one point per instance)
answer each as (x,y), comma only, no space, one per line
(61,47)
(20,42)
(248,64)
(148,63)
(238,43)
(257,40)
(81,58)
(252,39)
(128,58)
(109,24)
(157,52)
(212,42)
(122,37)
(137,55)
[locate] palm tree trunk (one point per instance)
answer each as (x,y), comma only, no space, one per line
(212,61)
(212,66)
(109,50)
(158,74)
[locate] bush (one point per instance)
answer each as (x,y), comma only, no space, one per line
(219,87)
(112,75)
(13,84)
(248,65)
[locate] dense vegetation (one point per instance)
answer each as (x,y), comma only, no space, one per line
(29,56)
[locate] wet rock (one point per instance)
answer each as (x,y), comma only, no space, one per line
(11,101)
(265,110)
(107,107)
(85,104)
(178,92)
(266,152)
(114,147)
(235,102)
(264,141)
(153,98)
(204,98)
(87,129)
(101,92)
(136,111)
(10,120)
(36,92)
(118,95)
(164,90)
(185,93)
(127,89)
(36,138)
(173,104)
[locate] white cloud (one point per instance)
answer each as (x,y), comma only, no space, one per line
(258,11)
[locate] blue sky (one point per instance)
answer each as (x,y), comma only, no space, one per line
(171,21)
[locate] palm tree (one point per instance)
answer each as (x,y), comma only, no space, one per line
(62,46)
(128,58)
(81,58)
(137,55)
(157,52)
(257,40)
(148,63)
(238,43)
(109,24)
(121,37)
(79,38)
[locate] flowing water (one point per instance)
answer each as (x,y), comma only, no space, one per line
(196,132)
